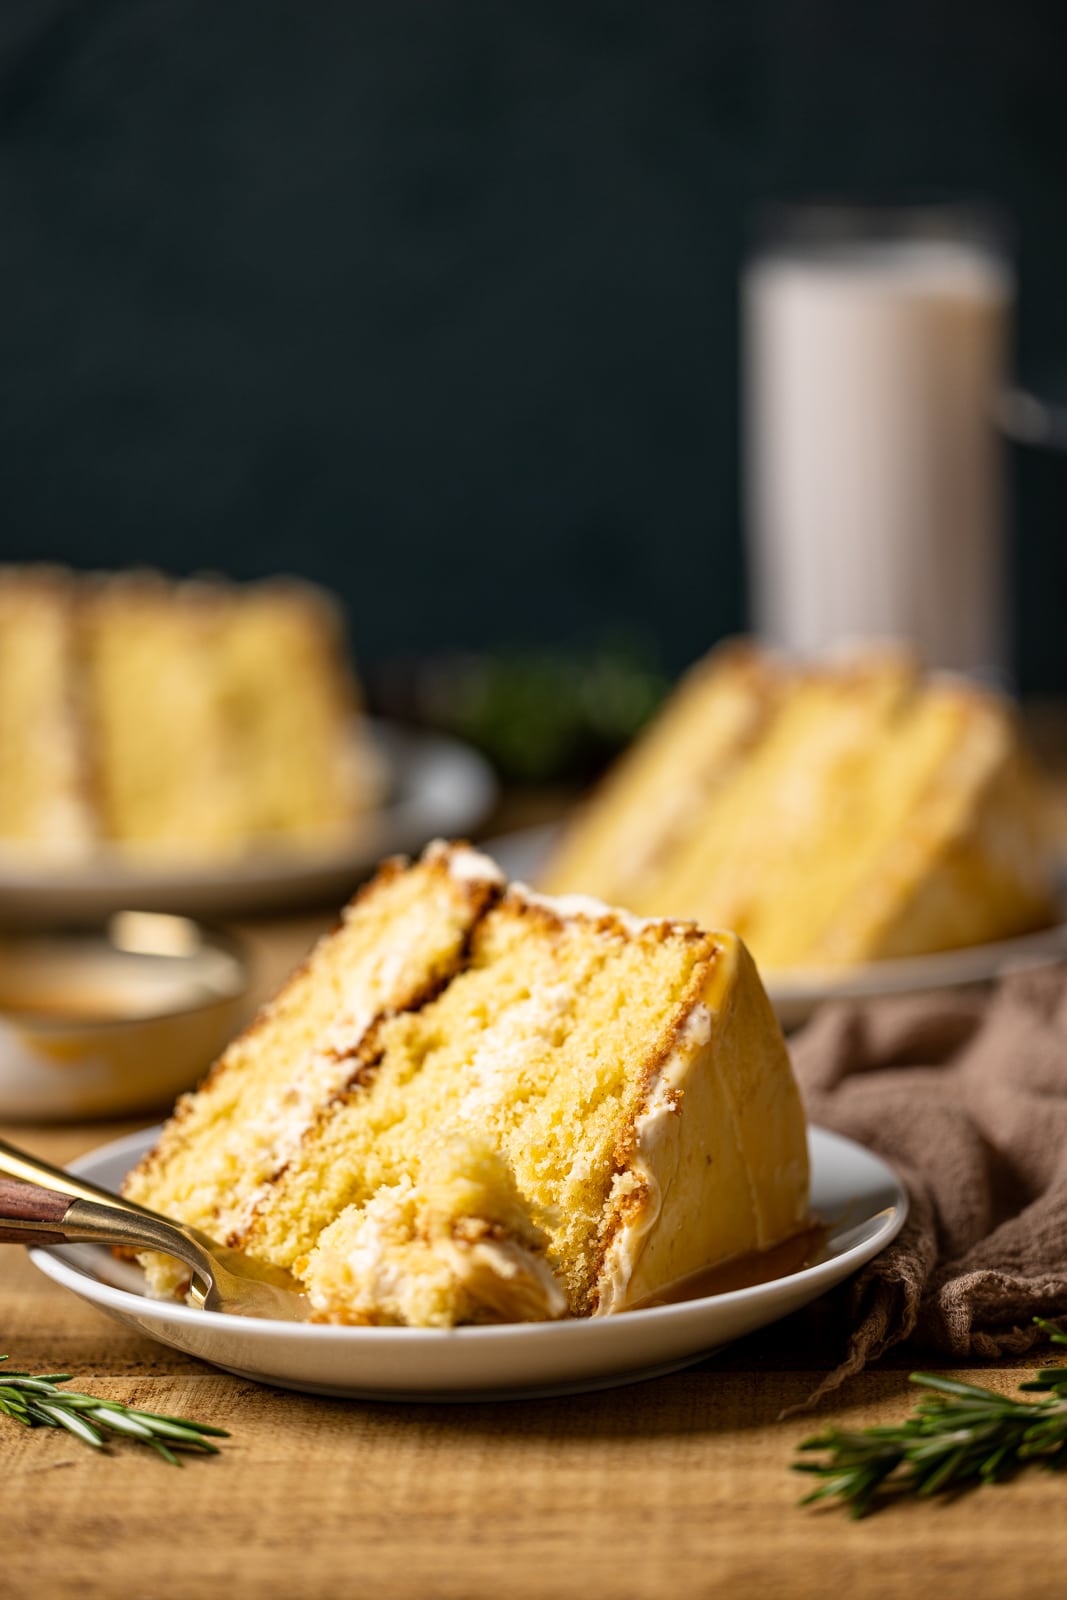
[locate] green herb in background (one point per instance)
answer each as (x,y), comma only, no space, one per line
(541,716)
(960,1437)
(38,1402)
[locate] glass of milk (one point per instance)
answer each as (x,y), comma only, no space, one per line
(875,349)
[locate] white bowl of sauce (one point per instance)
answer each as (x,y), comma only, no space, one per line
(113,1021)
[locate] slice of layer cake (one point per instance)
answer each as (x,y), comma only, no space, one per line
(196,719)
(475,1103)
(870,813)
(220,715)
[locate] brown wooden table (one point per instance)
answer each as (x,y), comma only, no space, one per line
(678,1487)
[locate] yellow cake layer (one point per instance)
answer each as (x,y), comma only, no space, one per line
(401,939)
(618,845)
(43,806)
(176,719)
(582,1108)
(870,813)
(282,701)
(944,843)
(529,1046)
(162,768)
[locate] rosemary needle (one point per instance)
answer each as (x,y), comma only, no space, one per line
(38,1401)
(958,1437)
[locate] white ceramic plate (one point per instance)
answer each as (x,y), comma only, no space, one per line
(796,994)
(434,787)
(854,1193)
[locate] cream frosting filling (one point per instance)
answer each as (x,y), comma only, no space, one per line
(465,864)
(572,907)
(508,1278)
(285,1117)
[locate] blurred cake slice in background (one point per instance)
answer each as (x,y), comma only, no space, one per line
(477,1104)
(868,812)
(656,793)
(163,777)
(182,720)
(44,801)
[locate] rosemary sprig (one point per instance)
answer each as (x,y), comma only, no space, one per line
(959,1437)
(37,1401)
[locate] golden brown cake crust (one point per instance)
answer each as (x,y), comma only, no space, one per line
(626,1144)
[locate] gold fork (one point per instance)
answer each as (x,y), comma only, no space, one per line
(43,1205)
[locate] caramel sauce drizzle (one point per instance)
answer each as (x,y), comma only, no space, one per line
(801,1250)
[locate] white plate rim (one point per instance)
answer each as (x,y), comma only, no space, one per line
(813,1281)
(445,787)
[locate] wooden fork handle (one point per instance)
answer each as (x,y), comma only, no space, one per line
(31,1215)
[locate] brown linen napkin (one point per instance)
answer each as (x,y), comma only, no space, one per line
(966,1097)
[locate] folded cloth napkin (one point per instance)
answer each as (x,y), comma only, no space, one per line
(965,1095)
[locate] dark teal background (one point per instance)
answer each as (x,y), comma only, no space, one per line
(435,300)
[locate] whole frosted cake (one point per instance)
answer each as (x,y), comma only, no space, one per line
(831,814)
(474,1103)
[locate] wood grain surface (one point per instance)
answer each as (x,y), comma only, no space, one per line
(674,1488)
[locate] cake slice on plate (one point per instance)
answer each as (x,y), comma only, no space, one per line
(170,720)
(850,811)
(475,1103)
(222,716)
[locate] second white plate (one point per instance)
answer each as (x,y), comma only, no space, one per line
(435,787)
(795,994)
(856,1195)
